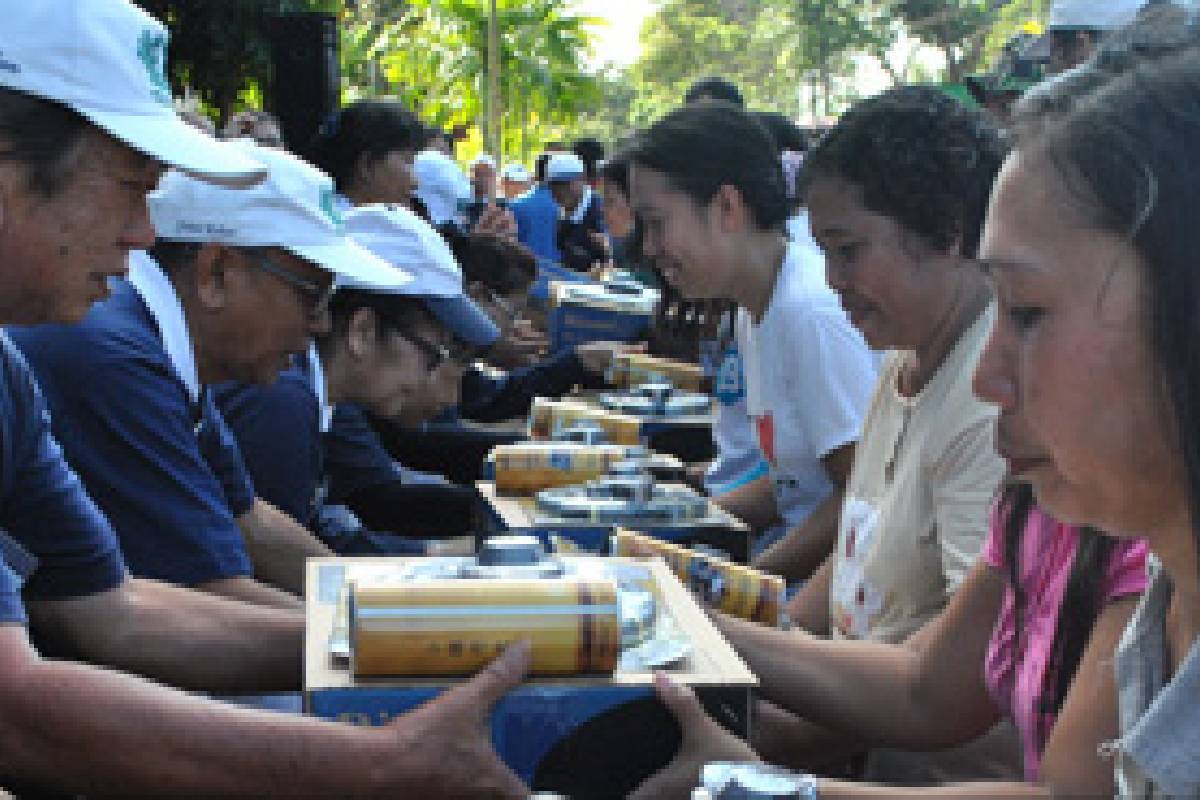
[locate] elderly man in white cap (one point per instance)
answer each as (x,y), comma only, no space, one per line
(85,127)
(483,178)
(387,343)
(581,233)
(1076,28)
(515,180)
(237,282)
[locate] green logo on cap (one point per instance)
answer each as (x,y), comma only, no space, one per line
(152,52)
(329,207)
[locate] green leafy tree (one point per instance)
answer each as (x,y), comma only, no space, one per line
(970,33)
(434,56)
(220,49)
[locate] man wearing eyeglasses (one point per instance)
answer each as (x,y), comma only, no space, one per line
(386,344)
(238,281)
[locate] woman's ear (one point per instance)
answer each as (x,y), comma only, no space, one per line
(732,215)
(361,332)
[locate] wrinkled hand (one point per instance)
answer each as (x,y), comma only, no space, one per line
(703,741)
(498,220)
(597,357)
(446,749)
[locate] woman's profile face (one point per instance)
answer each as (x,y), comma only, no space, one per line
(1082,415)
(890,283)
(678,236)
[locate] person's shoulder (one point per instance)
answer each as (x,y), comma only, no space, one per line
(119,326)
(291,390)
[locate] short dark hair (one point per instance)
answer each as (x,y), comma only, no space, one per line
(41,135)
(703,146)
(501,264)
(787,134)
(591,153)
(365,129)
(393,312)
(919,157)
(172,256)
(714,88)
(616,172)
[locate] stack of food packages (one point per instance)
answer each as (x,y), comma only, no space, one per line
(737,590)
(456,627)
(630,369)
(548,417)
(527,467)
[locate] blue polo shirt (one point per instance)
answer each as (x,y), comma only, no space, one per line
(277,428)
(537,222)
(166,471)
(54,538)
(356,458)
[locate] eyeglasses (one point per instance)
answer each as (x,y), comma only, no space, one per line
(316,297)
(436,355)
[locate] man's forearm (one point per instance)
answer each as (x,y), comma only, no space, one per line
(805,547)
(253,591)
(130,738)
(179,636)
(278,546)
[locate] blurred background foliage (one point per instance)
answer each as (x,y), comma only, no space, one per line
(805,58)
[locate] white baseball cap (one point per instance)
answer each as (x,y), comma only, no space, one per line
(564,167)
(106,59)
(292,208)
(515,172)
(483,158)
(1095,15)
(441,185)
(404,240)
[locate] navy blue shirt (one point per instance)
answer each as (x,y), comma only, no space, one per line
(356,458)
(493,398)
(55,536)
(279,436)
(166,471)
(537,222)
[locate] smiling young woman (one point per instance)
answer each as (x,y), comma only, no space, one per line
(708,186)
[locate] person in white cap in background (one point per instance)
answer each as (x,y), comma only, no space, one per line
(442,187)
(388,341)
(483,178)
(445,195)
(85,127)
(237,281)
(1076,28)
(581,234)
(515,180)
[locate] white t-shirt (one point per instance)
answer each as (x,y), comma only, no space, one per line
(915,515)
(738,460)
(809,378)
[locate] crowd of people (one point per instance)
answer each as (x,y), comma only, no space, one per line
(952,351)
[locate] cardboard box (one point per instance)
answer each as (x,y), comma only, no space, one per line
(586,737)
(582,313)
(512,514)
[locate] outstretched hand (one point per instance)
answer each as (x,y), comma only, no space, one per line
(597,357)
(704,741)
(446,744)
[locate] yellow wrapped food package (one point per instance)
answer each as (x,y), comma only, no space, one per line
(457,626)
